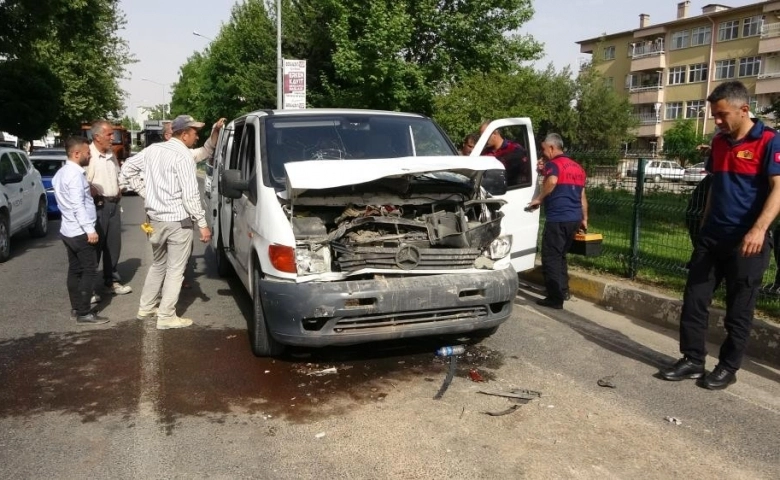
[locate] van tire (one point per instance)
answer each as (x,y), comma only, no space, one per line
(657,179)
(263,344)
(5,238)
(224,269)
(41,226)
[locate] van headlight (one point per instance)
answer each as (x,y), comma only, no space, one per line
(312,259)
(501,247)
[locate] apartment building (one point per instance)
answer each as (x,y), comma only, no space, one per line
(667,70)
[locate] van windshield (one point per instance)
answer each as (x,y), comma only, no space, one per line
(349,137)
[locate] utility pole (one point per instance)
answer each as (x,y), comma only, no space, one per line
(279,54)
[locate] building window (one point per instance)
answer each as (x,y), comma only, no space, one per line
(749,66)
(728,30)
(725,69)
(676,75)
(680,39)
(701,36)
(697,73)
(609,53)
(674,110)
(753,102)
(695,109)
(752,26)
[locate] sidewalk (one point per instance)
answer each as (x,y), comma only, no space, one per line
(659,309)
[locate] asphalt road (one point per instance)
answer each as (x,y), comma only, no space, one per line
(125,400)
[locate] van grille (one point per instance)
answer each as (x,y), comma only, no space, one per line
(411,318)
(404,257)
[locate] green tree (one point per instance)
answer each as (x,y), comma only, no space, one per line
(681,142)
(369,54)
(604,118)
(29,95)
(157,112)
(544,96)
(130,123)
(78,41)
(398,55)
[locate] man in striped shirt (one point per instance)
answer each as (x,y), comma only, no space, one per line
(173,205)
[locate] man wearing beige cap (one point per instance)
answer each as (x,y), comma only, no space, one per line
(173,206)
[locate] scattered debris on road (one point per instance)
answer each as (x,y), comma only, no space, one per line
(320,435)
(518,395)
(325,371)
(453,353)
(475,375)
(607,381)
(509,410)
(673,420)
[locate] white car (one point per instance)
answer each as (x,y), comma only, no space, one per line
(694,174)
(657,170)
(352,226)
(22,199)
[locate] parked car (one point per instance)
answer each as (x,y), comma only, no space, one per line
(694,174)
(47,165)
(22,199)
(352,226)
(657,170)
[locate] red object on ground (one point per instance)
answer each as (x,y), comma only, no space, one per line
(475,375)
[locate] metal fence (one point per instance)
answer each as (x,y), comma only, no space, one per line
(648,208)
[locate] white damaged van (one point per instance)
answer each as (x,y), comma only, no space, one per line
(351,226)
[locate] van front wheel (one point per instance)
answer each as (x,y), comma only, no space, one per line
(263,344)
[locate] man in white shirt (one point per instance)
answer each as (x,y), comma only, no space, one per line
(77,228)
(103,177)
(172,205)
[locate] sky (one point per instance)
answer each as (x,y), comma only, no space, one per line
(159,33)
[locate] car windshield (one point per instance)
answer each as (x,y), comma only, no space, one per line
(349,137)
(47,168)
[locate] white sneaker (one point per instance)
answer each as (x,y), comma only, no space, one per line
(118,289)
(146,315)
(172,322)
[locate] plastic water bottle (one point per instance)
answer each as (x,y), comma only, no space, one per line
(450,351)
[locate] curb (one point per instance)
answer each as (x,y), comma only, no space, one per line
(662,310)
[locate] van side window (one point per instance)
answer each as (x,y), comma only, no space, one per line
(21,167)
(515,155)
(247,158)
(233,164)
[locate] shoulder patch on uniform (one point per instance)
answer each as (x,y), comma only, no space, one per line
(777,157)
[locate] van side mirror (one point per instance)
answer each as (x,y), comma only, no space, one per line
(494,182)
(232,185)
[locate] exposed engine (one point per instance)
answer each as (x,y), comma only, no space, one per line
(447,235)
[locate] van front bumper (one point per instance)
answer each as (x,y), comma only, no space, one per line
(319,314)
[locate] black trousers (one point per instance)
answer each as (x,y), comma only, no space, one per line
(714,260)
(109,228)
(556,242)
(82,270)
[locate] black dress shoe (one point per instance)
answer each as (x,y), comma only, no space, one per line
(547,302)
(91,319)
(719,379)
(683,369)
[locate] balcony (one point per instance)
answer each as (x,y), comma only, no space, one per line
(650,129)
(770,38)
(768,82)
(648,118)
(648,55)
(646,94)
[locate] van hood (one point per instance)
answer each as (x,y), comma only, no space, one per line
(323,174)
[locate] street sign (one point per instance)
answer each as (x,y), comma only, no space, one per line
(294,87)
